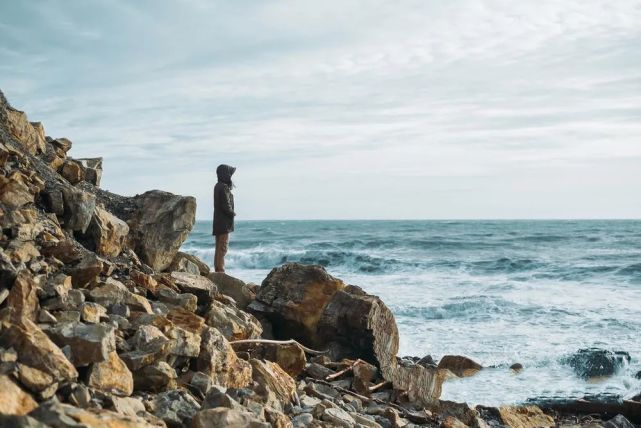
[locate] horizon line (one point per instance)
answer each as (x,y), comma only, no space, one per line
(442,219)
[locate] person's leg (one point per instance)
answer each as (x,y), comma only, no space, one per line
(224,245)
(221,249)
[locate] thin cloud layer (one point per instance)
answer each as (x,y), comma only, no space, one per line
(345,109)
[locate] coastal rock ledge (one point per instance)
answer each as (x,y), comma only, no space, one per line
(104,323)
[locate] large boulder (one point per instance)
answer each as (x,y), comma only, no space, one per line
(159,222)
(307,304)
(241,292)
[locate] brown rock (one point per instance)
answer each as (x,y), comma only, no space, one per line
(112,292)
(184,343)
(14,193)
(157,377)
(180,263)
(145,281)
(30,137)
(112,376)
(72,171)
(318,310)
(13,400)
(289,356)
(233,323)
(85,272)
(218,360)
(272,377)
(36,350)
(106,233)
(525,417)
(159,223)
(187,320)
(63,144)
(203,268)
(23,296)
(234,288)
(35,380)
(364,375)
(89,343)
(92,312)
(459,365)
(198,285)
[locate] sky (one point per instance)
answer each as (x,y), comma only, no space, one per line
(344,109)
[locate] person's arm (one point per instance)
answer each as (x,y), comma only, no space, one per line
(226,203)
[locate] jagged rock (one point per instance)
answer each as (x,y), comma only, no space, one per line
(89,343)
(218,397)
(203,268)
(176,407)
(593,362)
(318,310)
(92,312)
(525,417)
(85,272)
(180,263)
(23,297)
(72,171)
(218,360)
(157,377)
(144,280)
(61,415)
(56,286)
(92,170)
(277,419)
(32,138)
(303,420)
(113,292)
(111,376)
(79,207)
(187,301)
(186,319)
(289,356)
(159,223)
(459,365)
(195,284)
(272,377)
(13,400)
(234,288)
(37,381)
(224,417)
(35,349)
(233,323)
(14,193)
(106,233)
(183,343)
(129,406)
(364,375)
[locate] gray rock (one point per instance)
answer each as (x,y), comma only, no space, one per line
(619,421)
(176,407)
(88,343)
(338,417)
(303,420)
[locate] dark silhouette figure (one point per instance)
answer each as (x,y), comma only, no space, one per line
(223,214)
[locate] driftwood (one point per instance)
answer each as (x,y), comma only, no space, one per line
(279,342)
(345,370)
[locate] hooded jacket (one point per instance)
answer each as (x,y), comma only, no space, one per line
(224,201)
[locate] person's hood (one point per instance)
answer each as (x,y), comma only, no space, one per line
(224,173)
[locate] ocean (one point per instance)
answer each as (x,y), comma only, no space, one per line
(499,292)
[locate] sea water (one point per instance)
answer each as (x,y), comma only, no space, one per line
(499,292)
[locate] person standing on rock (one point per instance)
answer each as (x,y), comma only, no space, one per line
(223,214)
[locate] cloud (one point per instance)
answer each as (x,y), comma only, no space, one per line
(335,99)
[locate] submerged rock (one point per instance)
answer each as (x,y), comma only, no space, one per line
(594,362)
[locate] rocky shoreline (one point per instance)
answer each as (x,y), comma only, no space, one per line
(104,322)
